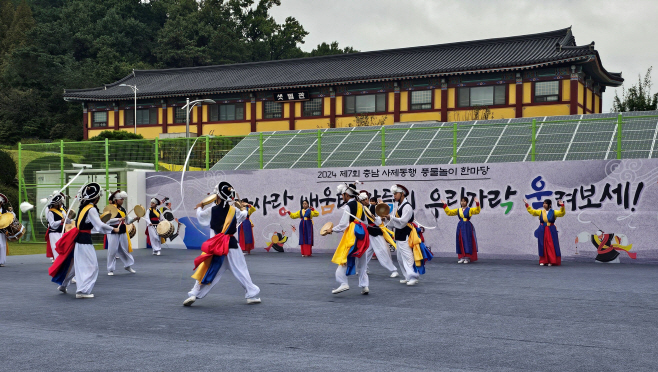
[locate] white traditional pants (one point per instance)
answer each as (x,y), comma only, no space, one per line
(379,247)
(84,268)
(54,238)
(117,245)
(154,238)
(361,268)
(406,260)
(3,248)
(234,262)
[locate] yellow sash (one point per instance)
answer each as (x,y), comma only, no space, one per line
(624,247)
(130,243)
(414,242)
(388,234)
(156,212)
(57,212)
(205,265)
(83,214)
(348,240)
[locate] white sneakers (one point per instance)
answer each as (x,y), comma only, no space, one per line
(254,300)
(541,264)
(158,253)
(412,282)
(73,281)
(403,281)
(130,270)
(190,300)
(342,288)
(394,274)
(62,289)
(461,260)
(82,295)
(365,290)
(464,260)
(110,273)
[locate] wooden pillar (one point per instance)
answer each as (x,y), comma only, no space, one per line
(332,109)
(199,124)
(85,122)
(396,103)
(585,97)
(573,110)
(164,118)
(291,115)
(253,114)
(519,96)
(444,100)
(116,117)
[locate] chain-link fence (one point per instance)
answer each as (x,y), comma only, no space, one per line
(47,167)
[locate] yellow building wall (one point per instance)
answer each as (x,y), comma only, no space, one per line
(89,120)
(451,97)
(581,87)
(580,110)
(545,110)
(588,99)
(391,101)
(204,113)
(327,106)
(596,104)
(110,119)
(247,109)
(404,101)
(512,94)
(195,114)
(94,132)
(160,116)
(339,105)
(149,132)
(527,92)
(420,116)
(180,128)
(437,99)
(312,123)
(121,118)
(298,109)
(259,110)
(286,110)
(232,129)
(170,115)
(467,115)
(270,126)
(345,121)
(566,90)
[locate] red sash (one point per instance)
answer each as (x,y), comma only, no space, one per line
(217,245)
(49,249)
(64,248)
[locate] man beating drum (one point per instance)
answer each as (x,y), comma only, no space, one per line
(118,244)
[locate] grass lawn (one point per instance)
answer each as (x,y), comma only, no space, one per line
(29,156)
(16,249)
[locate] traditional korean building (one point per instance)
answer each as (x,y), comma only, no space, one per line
(543,74)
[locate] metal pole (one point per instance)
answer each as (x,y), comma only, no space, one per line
(260,150)
(107,165)
(61,163)
(20,184)
(207,153)
(187,128)
(319,148)
(619,122)
(455,128)
(157,156)
(533,140)
(383,134)
(29,215)
(135,90)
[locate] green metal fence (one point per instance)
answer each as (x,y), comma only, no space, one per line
(47,167)
(583,137)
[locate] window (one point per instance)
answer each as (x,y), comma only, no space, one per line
(144,116)
(272,109)
(180,115)
(421,100)
(99,119)
(365,104)
(482,96)
(547,91)
(312,107)
(227,112)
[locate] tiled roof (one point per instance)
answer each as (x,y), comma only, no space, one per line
(502,54)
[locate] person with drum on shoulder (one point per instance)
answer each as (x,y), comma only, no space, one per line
(168,214)
(3,237)
(57,217)
(155,216)
(118,244)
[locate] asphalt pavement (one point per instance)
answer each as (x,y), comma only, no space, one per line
(493,315)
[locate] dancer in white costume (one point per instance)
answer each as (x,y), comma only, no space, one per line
(403,216)
(380,237)
(3,237)
(57,217)
(221,252)
(118,244)
(77,254)
(155,216)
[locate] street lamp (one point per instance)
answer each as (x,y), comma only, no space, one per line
(134,88)
(188,108)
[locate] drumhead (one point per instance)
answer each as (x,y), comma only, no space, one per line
(382,209)
(6,219)
(209,199)
(139,210)
(106,216)
(326,227)
(168,215)
(163,228)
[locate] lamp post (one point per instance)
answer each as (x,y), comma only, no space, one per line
(134,88)
(188,108)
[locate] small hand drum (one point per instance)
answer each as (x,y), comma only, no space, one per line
(165,229)
(131,230)
(326,228)
(6,219)
(382,210)
(68,226)
(139,210)
(15,231)
(209,199)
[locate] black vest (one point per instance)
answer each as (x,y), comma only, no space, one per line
(373,229)
(403,233)
(84,238)
(218,216)
(353,206)
(56,217)
(122,228)
(155,219)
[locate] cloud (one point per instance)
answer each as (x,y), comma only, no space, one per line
(625,32)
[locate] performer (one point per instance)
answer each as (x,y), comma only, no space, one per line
(380,236)
(467,243)
(57,217)
(152,227)
(411,254)
(221,251)
(118,244)
(306,215)
(349,255)
(246,230)
(77,256)
(3,237)
(168,214)
(548,242)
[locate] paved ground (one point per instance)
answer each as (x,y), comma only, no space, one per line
(489,316)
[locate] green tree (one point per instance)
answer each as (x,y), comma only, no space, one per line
(22,23)
(6,17)
(638,97)
(325,49)
(115,135)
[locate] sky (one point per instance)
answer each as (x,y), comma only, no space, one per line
(625,32)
